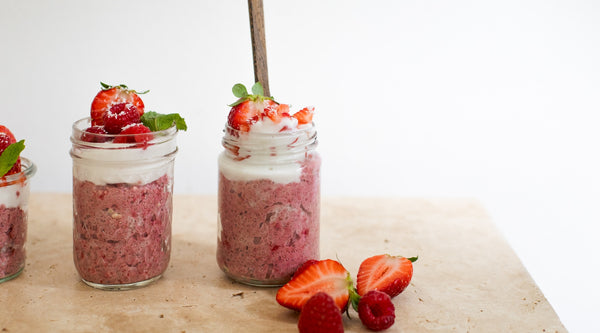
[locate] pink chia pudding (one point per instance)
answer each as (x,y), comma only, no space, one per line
(267,229)
(121,231)
(13,231)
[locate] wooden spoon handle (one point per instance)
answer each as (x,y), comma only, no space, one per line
(259,48)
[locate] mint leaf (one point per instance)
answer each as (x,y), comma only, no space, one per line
(257,89)
(239,90)
(9,156)
(157,121)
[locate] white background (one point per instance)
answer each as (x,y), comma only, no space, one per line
(495,100)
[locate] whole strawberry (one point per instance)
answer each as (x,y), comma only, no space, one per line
(386,273)
(376,310)
(320,314)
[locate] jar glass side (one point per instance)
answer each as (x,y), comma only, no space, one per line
(122,211)
(14,202)
(268,207)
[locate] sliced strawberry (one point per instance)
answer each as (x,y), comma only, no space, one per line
(386,273)
(305,115)
(243,115)
(328,276)
(276,112)
(304,266)
(249,108)
(110,95)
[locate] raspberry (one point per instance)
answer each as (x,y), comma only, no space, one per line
(5,141)
(119,116)
(376,310)
(320,314)
(134,133)
(89,135)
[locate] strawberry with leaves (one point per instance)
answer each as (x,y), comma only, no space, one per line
(120,110)
(251,108)
(10,149)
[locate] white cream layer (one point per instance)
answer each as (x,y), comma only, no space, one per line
(131,166)
(15,195)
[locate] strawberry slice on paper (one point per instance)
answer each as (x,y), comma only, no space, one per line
(328,276)
(385,273)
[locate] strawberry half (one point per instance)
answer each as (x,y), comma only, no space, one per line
(386,273)
(111,95)
(249,108)
(328,276)
(243,115)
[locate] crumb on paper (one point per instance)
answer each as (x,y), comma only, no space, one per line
(161,316)
(240,294)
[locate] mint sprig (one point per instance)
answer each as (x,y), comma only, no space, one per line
(158,122)
(240,91)
(9,156)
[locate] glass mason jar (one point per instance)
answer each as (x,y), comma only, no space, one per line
(14,199)
(268,204)
(122,207)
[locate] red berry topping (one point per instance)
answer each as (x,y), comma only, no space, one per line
(6,139)
(90,134)
(119,116)
(305,115)
(243,115)
(250,108)
(134,133)
(275,111)
(328,276)
(320,314)
(110,95)
(386,273)
(376,310)
(6,131)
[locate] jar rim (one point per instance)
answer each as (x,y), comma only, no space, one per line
(228,130)
(28,169)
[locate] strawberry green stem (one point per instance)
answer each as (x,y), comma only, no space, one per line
(354,296)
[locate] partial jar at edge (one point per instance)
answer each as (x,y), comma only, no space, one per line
(268,204)
(14,201)
(122,207)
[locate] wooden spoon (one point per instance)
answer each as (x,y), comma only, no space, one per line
(259,48)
